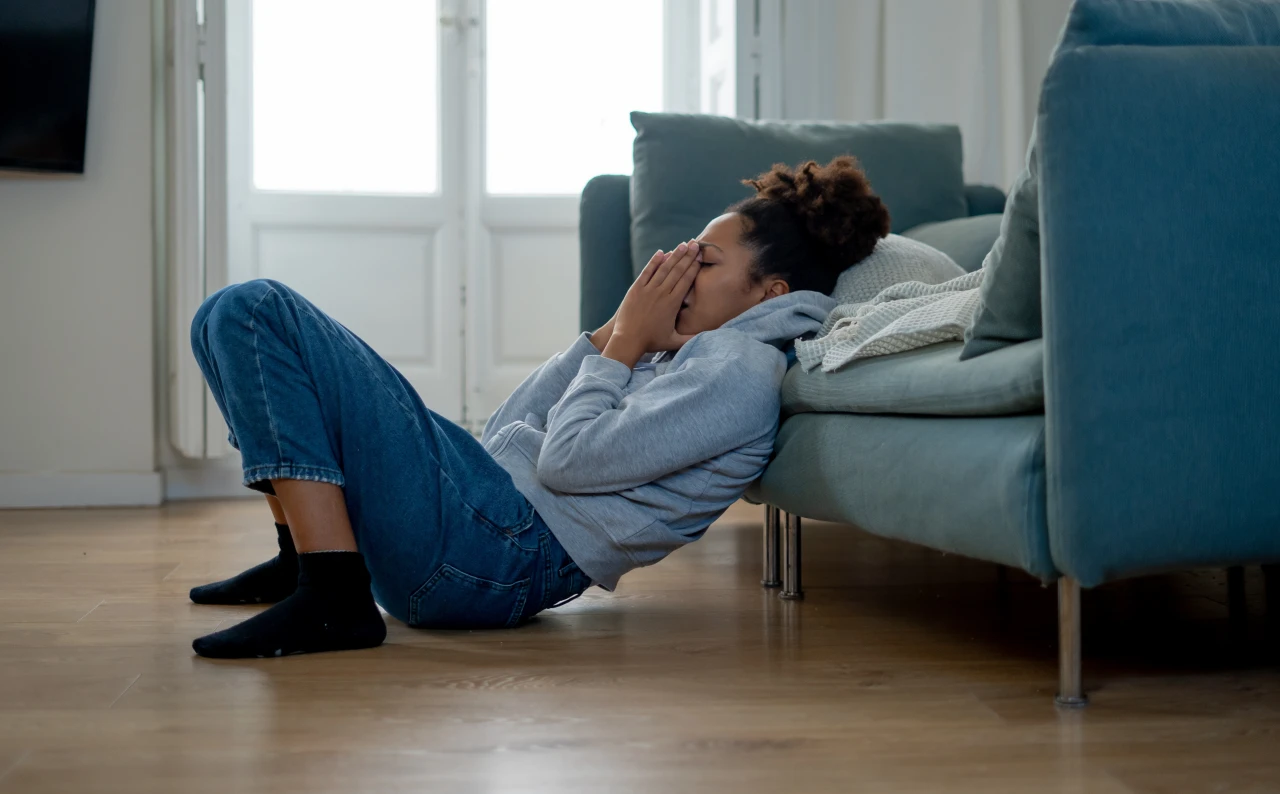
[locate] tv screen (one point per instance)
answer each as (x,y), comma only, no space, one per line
(45,52)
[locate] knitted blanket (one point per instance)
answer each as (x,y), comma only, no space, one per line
(901,317)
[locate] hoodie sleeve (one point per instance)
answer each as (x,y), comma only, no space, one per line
(597,444)
(542,389)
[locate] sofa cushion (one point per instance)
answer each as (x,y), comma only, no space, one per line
(929,381)
(966,486)
(1011,290)
(689,168)
(985,199)
(966,240)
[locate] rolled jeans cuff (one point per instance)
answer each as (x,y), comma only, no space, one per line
(258,477)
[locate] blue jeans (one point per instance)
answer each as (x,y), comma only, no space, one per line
(448,540)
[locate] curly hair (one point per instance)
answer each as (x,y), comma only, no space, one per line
(808,224)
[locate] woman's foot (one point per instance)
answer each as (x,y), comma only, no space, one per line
(272,581)
(332,610)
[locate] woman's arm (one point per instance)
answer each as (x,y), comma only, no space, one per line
(596,443)
(546,384)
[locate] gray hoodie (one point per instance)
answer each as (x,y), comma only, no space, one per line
(628,465)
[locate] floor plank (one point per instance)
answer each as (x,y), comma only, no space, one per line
(903,670)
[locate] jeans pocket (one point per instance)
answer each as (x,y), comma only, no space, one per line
(454,599)
(570,583)
(513,520)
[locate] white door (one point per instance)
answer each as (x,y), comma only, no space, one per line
(414,168)
(344,178)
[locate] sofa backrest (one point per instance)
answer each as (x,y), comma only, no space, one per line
(689,168)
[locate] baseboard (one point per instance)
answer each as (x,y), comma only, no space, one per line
(91,489)
(221,478)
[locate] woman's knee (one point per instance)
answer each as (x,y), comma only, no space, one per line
(234,305)
(200,322)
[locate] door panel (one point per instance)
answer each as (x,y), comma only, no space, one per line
(348,271)
(527,264)
(523,306)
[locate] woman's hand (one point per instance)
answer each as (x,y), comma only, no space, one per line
(646,320)
(601,336)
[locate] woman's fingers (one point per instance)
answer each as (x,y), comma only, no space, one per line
(647,273)
(686,271)
(669,273)
(660,276)
(686,278)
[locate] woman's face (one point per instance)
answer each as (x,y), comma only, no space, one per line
(722,289)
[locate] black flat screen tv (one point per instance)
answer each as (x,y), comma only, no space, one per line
(46,47)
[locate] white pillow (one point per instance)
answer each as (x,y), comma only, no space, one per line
(896,259)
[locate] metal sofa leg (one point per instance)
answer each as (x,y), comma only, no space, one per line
(1070,690)
(791,589)
(1271,581)
(772,542)
(772,547)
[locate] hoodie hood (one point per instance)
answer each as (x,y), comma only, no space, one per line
(780,321)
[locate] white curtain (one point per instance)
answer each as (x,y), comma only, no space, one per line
(975,63)
(960,61)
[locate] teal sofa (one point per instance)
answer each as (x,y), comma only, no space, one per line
(1141,434)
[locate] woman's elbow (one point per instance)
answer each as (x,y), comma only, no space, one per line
(557,476)
(565,475)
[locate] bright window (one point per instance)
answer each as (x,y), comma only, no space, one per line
(563,76)
(345,96)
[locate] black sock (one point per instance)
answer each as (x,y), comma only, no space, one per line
(273,580)
(332,610)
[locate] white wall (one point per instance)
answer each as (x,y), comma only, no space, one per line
(76,338)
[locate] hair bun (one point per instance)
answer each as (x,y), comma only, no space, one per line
(834,202)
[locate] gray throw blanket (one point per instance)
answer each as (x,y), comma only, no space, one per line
(901,317)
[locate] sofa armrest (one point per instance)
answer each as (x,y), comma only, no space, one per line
(604,247)
(984,199)
(1160,231)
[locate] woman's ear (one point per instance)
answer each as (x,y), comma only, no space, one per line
(776,288)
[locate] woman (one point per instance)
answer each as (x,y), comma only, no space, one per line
(608,457)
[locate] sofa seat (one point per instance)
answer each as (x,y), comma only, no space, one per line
(974,487)
(930,381)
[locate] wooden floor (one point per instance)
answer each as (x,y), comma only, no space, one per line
(903,670)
